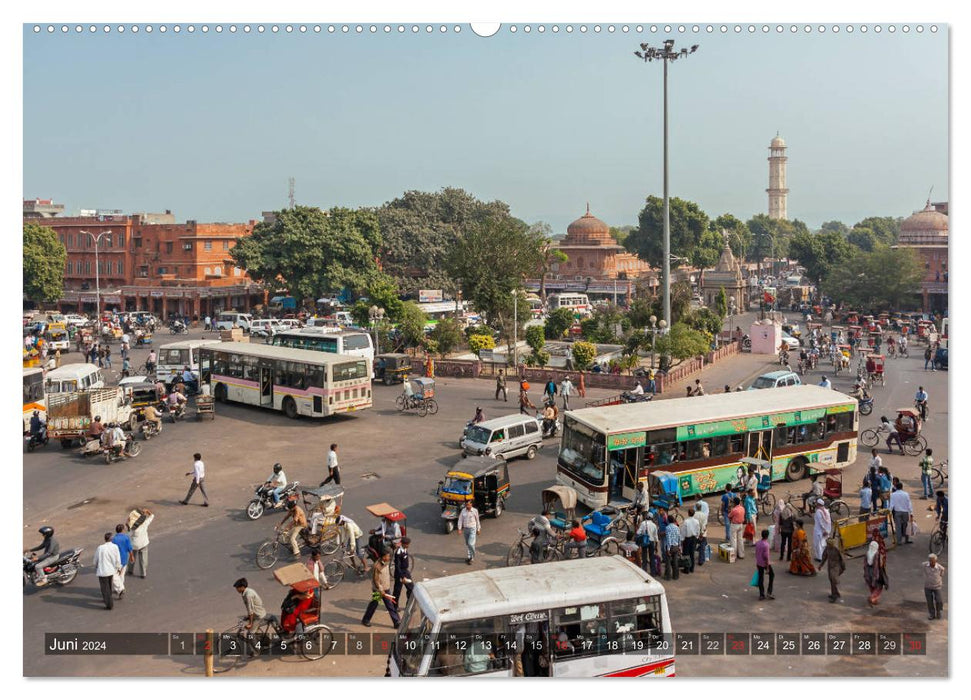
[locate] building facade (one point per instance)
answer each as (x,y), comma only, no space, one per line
(727,275)
(926,231)
(778,190)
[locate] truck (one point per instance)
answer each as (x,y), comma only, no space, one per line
(70,414)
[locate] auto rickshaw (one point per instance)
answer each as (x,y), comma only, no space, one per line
(874,368)
(561,502)
(482,480)
(143,394)
(392,367)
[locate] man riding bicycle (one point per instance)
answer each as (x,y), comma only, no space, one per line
(920,398)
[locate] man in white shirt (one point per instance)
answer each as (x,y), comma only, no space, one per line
(469,526)
(198,475)
(647,539)
(903,513)
(107,563)
(701,515)
(566,390)
(690,532)
(353,535)
(826,384)
(333,470)
(638,390)
(138,522)
(278,481)
(875,460)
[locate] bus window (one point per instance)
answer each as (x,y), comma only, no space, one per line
(844,422)
(720,445)
(737,443)
(635,622)
(580,631)
(470,647)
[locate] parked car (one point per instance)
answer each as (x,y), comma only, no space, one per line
(773,380)
(940,358)
(289,323)
(228,318)
(265,327)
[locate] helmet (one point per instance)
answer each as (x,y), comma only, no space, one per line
(46,531)
(277,468)
(98,418)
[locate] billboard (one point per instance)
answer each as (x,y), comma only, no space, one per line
(426,296)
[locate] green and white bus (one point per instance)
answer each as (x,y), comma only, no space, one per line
(297,382)
(606,450)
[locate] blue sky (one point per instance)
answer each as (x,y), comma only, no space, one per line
(211,126)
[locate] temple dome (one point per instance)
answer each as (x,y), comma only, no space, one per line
(926,223)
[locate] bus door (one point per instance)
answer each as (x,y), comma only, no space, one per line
(266,386)
(624,465)
(760,445)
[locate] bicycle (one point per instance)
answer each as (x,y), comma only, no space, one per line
(913,445)
(519,553)
(335,568)
(938,541)
(939,475)
(237,645)
(272,550)
(837,508)
(608,546)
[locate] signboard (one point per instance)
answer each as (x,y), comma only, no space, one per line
(89,297)
(525,618)
(744,425)
(429,295)
(203,293)
(156,294)
(621,441)
(112,299)
(169,294)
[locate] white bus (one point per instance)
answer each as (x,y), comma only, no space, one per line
(356,343)
(297,382)
(606,450)
(582,618)
(34,399)
(579,303)
(173,358)
(74,377)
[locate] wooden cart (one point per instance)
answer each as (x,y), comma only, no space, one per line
(205,407)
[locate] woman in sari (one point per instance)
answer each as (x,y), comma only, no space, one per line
(875,569)
(802,564)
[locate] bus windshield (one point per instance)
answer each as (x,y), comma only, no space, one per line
(413,632)
(350,370)
(33,387)
(174,356)
(582,451)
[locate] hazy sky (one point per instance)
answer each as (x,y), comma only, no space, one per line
(211,126)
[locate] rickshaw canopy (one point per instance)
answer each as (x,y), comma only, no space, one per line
(329,491)
(296,576)
(564,494)
(384,510)
(327,494)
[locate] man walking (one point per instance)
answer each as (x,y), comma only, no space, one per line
(835,566)
(501,387)
(402,571)
(903,514)
(381,591)
(566,391)
(933,585)
(470,527)
(672,543)
(124,544)
(763,565)
(822,529)
(333,470)
(926,470)
(138,523)
(549,391)
(107,563)
(198,475)
(787,526)
(701,515)
(727,502)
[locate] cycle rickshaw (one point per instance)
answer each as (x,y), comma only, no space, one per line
(874,368)
(422,396)
(309,637)
(913,442)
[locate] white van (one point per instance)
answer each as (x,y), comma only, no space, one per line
(509,436)
(228,318)
(74,377)
(267,327)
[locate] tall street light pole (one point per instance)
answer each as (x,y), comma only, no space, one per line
(666,54)
(97,273)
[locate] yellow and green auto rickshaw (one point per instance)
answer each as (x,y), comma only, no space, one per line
(482,480)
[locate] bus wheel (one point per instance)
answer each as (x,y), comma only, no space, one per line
(220,393)
(796,469)
(290,407)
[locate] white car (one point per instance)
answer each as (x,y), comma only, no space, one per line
(267,327)
(289,323)
(75,320)
(790,341)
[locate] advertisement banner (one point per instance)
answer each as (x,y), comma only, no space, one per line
(112,299)
(427,296)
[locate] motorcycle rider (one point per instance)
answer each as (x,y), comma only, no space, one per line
(49,550)
(116,438)
(278,481)
(38,427)
(188,378)
(479,415)
(859,391)
(826,384)
(96,429)
(151,416)
(176,401)
(638,389)
(549,420)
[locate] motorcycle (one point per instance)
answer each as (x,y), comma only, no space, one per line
(630,397)
(174,414)
(264,499)
(550,430)
(178,327)
(131,449)
(62,571)
(150,429)
(35,440)
(866,406)
(746,343)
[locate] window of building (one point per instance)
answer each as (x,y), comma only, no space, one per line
(225,245)
(138,242)
(161,271)
(120,267)
(121,240)
(108,242)
(208,271)
(187,245)
(143,271)
(237,271)
(208,245)
(218,271)
(87,267)
(168,247)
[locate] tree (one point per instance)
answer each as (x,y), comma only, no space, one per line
(490,261)
(549,256)
(739,236)
(885,229)
(559,322)
(681,343)
(601,326)
(688,223)
(411,323)
(763,230)
(620,233)
(44,260)
(863,238)
(819,252)
(834,227)
(447,335)
(309,252)
(886,278)
(536,339)
(419,228)
(706,321)
(479,342)
(583,354)
(721,303)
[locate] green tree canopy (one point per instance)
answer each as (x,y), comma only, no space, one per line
(863,238)
(688,223)
(886,229)
(739,236)
(583,354)
(884,279)
(601,326)
(770,237)
(834,227)
(548,255)
(447,335)
(620,233)
(411,323)
(558,322)
(819,253)
(309,252)
(44,260)
(681,343)
(419,228)
(490,262)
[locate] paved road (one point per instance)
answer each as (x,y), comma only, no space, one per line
(197,553)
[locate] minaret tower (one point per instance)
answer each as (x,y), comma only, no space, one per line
(778,192)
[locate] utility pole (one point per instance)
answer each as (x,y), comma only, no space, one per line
(515,329)
(97,273)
